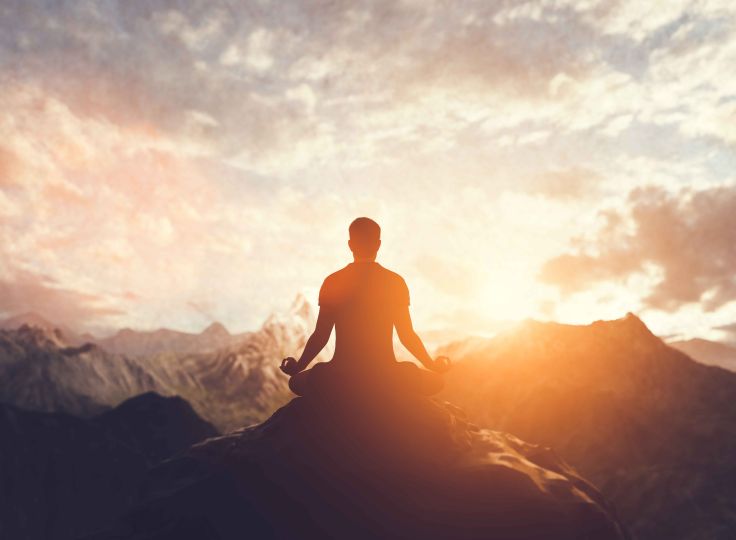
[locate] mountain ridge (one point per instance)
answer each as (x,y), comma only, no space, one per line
(713,353)
(237,383)
(628,411)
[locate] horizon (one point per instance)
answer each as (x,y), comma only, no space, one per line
(168,166)
(450,334)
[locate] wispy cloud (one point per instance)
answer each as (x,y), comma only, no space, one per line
(23,291)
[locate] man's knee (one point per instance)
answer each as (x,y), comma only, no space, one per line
(420,380)
(432,383)
(298,383)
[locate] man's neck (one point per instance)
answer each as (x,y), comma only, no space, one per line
(364,259)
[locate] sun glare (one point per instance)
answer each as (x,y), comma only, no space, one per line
(510,295)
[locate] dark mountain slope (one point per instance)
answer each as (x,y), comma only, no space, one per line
(653,429)
(156,427)
(63,476)
(708,352)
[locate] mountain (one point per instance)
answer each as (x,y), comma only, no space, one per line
(655,430)
(34,320)
(433,340)
(40,371)
(65,476)
(365,466)
(238,384)
(155,426)
(134,343)
(712,353)
(27,319)
(141,344)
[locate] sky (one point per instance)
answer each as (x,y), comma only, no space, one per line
(173,163)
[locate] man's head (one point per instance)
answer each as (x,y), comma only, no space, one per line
(365,238)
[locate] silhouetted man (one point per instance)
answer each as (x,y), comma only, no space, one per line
(364,301)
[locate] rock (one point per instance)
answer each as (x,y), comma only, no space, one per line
(379,466)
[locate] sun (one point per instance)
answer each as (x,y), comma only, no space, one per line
(511,293)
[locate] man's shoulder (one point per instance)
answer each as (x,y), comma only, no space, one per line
(337,274)
(348,274)
(336,280)
(390,274)
(396,284)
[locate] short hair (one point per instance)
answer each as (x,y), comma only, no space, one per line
(365,234)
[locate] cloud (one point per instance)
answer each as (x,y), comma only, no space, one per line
(382,75)
(9,166)
(23,291)
(379,73)
(194,36)
(104,208)
(688,238)
(729,330)
(566,184)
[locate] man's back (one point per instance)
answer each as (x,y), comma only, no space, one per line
(364,299)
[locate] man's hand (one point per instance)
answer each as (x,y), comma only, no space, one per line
(290,366)
(441,364)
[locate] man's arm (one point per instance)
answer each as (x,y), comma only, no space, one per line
(318,339)
(410,339)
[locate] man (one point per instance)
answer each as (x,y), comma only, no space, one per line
(364,302)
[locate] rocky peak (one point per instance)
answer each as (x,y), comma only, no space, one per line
(216,329)
(301,307)
(125,332)
(300,315)
(370,469)
(635,325)
(40,337)
(28,319)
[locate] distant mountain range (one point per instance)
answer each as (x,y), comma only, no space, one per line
(235,384)
(653,429)
(135,343)
(40,370)
(148,343)
(712,353)
(34,320)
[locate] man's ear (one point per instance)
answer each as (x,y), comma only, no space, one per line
(350,245)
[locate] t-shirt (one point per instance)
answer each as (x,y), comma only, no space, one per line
(365,299)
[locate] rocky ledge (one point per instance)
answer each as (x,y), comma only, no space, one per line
(388,467)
